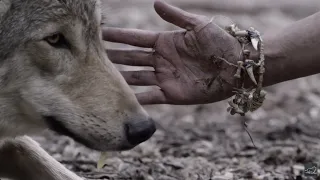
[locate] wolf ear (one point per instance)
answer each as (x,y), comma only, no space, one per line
(4,6)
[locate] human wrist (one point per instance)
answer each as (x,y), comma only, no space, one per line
(275,58)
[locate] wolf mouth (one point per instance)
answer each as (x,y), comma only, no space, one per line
(58,127)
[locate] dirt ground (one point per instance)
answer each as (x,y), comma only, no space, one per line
(203,142)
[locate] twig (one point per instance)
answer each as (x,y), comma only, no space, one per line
(229,63)
(245,128)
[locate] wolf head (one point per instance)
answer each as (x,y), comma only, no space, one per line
(54,73)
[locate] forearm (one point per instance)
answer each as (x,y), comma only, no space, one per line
(293,52)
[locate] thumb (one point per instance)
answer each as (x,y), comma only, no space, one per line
(176,16)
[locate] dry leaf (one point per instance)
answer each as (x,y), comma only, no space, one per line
(102,160)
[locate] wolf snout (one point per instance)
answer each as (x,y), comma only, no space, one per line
(138,131)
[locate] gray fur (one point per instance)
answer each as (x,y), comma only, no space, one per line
(76,84)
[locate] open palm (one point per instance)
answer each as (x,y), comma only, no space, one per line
(187,64)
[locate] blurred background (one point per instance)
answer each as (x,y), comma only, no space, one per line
(203,141)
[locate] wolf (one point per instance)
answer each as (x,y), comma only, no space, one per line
(55,74)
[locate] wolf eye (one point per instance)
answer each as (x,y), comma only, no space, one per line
(57,40)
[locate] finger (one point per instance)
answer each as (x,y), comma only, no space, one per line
(152,97)
(131,57)
(176,16)
(140,78)
(134,37)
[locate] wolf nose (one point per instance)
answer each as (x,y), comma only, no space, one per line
(140,131)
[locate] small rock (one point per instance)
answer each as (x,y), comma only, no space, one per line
(229,175)
(176,165)
(297,169)
(248,153)
(235,160)
(149,177)
(189,119)
(220,178)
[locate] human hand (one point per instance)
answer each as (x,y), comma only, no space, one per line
(188,65)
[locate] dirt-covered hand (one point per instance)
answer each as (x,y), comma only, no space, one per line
(187,64)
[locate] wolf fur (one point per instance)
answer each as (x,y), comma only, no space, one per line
(54,73)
